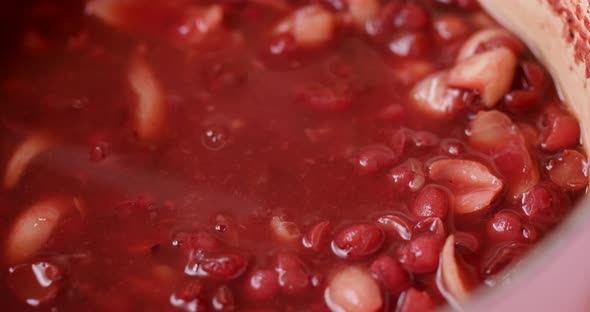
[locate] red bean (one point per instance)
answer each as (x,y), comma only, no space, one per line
(292,273)
(505,226)
(431,201)
(36,284)
(562,131)
(410,45)
(420,255)
(520,101)
(569,170)
(408,177)
(422,138)
(223,299)
(362,11)
(222,267)
(412,17)
(199,241)
(452,147)
(358,241)
(414,300)
(392,275)
(373,158)
(434,226)
(317,237)
(538,203)
(188,296)
(450,28)
(262,285)
(532,78)
(397,225)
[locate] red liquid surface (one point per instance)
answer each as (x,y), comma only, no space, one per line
(288,166)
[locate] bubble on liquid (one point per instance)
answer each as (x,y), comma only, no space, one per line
(215,138)
(98,151)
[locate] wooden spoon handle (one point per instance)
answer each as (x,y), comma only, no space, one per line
(558,32)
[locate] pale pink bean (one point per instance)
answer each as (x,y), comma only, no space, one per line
(450,28)
(433,98)
(363,11)
(110,11)
(200,21)
(569,170)
(30,148)
(472,183)
(489,73)
(353,290)
(491,131)
(285,231)
(34,227)
(474,44)
(149,112)
(494,132)
(310,26)
(452,277)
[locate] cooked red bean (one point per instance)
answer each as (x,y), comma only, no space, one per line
(414,300)
(392,275)
(358,241)
(505,226)
(420,254)
(562,131)
(434,226)
(431,201)
(317,237)
(262,285)
(569,170)
(36,284)
(408,177)
(450,28)
(397,225)
(374,158)
(292,273)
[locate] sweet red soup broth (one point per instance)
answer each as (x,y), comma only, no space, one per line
(272,155)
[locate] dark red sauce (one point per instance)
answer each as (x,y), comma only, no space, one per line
(272,155)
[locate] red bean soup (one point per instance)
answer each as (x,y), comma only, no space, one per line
(272,155)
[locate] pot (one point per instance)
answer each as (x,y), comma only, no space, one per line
(556,275)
